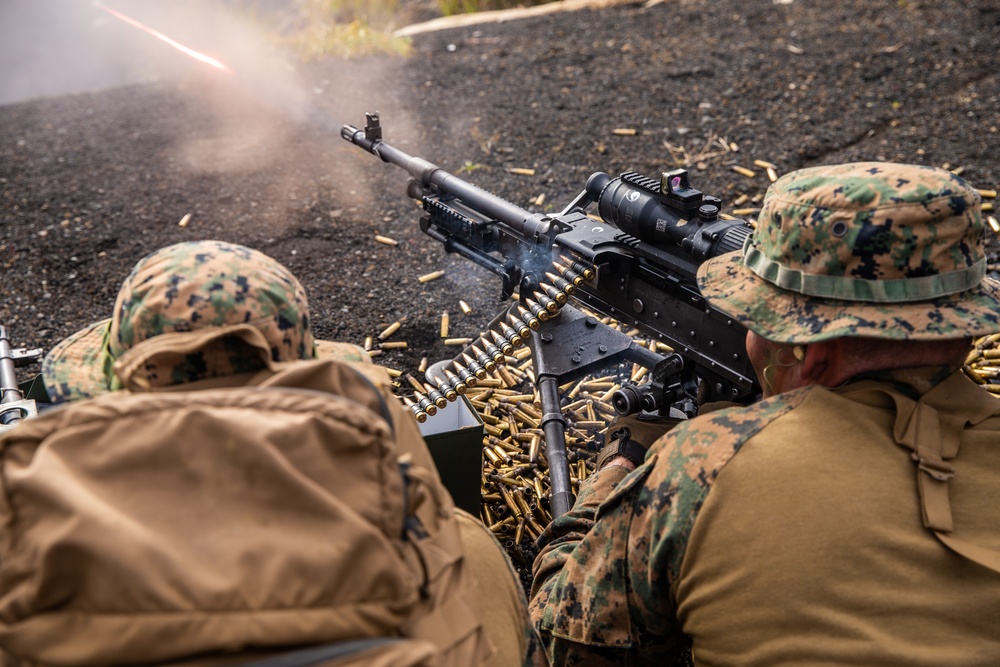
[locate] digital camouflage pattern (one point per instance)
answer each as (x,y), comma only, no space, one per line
(864,249)
(187,287)
(602,587)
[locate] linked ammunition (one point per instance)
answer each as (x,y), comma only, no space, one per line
(444,324)
(504,345)
(389,330)
(526,317)
(465,376)
(569,274)
(444,386)
(554,294)
(537,310)
(522,328)
(561,283)
(548,303)
(484,359)
(588,272)
(510,335)
(456,383)
(420,415)
(477,369)
(426,404)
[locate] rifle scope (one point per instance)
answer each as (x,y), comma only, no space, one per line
(670,212)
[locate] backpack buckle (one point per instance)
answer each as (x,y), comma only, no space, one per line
(934,467)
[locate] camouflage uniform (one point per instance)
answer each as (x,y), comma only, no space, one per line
(187,287)
(791,531)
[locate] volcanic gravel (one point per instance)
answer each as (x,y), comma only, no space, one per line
(90,183)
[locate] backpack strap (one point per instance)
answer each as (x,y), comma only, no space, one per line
(931,428)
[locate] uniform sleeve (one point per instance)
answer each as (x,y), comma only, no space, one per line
(584,599)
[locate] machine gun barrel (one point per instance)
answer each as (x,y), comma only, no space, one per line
(431,177)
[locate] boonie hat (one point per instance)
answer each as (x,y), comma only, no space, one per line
(187,287)
(867,249)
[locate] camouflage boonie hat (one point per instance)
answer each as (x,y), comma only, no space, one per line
(187,287)
(868,249)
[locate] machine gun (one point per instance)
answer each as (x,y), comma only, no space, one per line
(636,263)
(13,405)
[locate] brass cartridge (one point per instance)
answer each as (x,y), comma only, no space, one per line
(389,330)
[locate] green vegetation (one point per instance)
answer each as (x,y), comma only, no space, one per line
(348,28)
(449,7)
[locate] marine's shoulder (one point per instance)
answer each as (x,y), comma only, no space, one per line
(734,425)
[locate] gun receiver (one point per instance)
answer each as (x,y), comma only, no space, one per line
(637,263)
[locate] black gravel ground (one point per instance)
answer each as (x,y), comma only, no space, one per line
(91,182)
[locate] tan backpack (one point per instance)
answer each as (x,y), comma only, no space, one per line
(292,514)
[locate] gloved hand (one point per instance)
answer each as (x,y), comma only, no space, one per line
(632,435)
